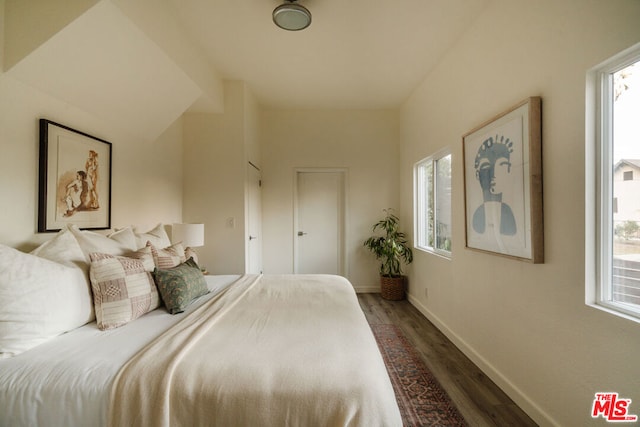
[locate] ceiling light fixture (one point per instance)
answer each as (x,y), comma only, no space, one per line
(291,16)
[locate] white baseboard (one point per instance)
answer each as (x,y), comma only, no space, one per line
(521,399)
(367,289)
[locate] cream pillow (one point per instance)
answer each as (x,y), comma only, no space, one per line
(123,288)
(190,253)
(157,236)
(39,300)
(168,257)
(120,242)
(64,249)
(125,236)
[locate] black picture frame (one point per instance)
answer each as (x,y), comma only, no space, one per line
(74,183)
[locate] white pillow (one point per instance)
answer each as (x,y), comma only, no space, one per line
(157,236)
(64,249)
(38,300)
(125,236)
(120,243)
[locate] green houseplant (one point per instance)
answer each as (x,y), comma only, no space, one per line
(393,250)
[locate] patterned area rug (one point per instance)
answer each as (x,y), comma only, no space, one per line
(421,400)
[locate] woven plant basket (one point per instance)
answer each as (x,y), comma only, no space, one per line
(392,288)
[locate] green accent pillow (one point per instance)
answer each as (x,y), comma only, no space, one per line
(180,285)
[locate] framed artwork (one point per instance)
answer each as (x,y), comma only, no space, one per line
(74,179)
(503,184)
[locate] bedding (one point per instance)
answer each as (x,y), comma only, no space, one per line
(66,381)
(272,351)
(256,350)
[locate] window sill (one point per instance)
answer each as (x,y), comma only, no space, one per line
(613,310)
(440,254)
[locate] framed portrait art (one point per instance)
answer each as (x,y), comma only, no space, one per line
(503,184)
(75,179)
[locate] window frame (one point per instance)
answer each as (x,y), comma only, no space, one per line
(421,200)
(599,200)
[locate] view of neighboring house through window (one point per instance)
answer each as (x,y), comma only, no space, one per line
(432,201)
(618,285)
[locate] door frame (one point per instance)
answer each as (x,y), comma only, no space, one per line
(252,169)
(343,269)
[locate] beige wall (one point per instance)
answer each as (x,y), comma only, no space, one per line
(525,325)
(364,142)
(215,156)
(146,178)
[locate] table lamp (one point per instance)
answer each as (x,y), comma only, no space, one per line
(191,235)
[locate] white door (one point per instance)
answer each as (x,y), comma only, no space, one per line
(254,221)
(320,222)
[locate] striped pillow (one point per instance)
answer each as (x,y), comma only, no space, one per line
(123,288)
(169,257)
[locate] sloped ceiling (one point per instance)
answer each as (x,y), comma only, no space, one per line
(142,63)
(103,63)
(356,53)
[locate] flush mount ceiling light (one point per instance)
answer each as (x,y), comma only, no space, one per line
(291,16)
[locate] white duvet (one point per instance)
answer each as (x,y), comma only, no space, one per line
(66,382)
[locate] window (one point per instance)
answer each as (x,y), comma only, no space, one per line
(432,189)
(615,240)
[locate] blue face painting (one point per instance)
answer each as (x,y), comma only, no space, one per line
(493,167)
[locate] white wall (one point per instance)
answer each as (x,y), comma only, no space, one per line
(526,325)
(146,176)
(214,176)
(364,142)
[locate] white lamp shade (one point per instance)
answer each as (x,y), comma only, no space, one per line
(191,235)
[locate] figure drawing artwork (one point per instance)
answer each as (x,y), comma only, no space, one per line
(75,179)
(78,189)
(501,215)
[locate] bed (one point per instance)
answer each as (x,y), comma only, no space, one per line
(267,350)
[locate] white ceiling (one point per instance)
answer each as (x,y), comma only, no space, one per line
(357,54)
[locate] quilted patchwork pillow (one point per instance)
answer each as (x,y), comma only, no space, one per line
(169,257)
(123,288)
(180,285)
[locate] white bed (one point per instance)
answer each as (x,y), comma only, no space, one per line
(308,376)
(87,339)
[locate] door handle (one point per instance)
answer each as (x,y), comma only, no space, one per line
(253,237)
(301,233)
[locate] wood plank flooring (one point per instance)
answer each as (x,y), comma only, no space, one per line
(479,399)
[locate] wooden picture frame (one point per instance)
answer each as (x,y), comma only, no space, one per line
(503,184)
(74,185)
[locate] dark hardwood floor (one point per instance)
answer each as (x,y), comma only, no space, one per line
(479,399)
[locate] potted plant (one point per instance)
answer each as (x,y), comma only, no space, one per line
(392,248)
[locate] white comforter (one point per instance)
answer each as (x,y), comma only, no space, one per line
(273,351)
(66,382)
